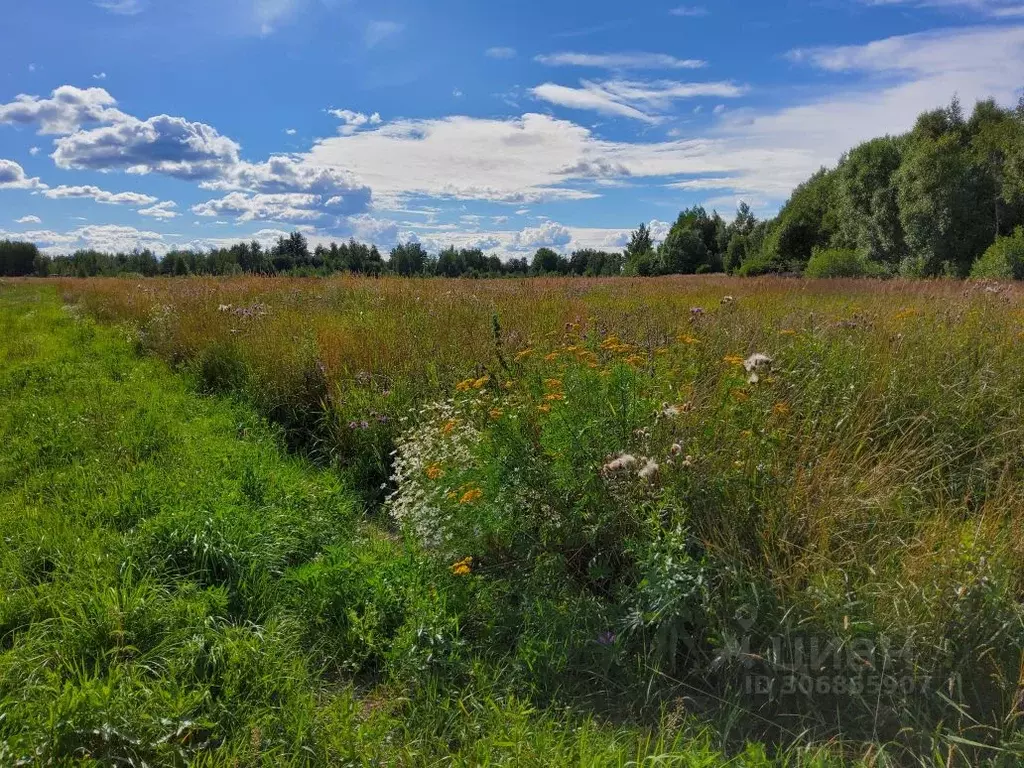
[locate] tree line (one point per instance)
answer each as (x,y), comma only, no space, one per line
(946,198)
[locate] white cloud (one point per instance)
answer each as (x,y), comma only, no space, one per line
(66,111)
(269,12)
(99,195)
(689,11)
(547,235)
(354,121)
(13,176)
(626,98)
(100,76)
(619,61)
(290,131)
(122,7)
(34,151)
(284,207)
(161,211)
(28,220)
(163,144)
(379,31)
(501,52)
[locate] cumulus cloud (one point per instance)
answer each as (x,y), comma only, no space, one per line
(285,207)
(547,235)
(353,121)
(28,220)
(13,176)
(66,111)
(99,195)
(161,211)
(619,61)
(627,98)
(163,144)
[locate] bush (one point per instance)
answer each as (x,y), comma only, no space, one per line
(841,262)
(1004,260)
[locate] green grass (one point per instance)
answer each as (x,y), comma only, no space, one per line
(175,590)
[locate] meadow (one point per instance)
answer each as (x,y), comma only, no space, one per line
(684,520)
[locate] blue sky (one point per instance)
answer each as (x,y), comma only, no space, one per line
(502,125)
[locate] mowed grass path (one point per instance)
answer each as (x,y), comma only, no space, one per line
(150,611)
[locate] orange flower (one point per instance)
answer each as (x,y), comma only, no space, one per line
(481,382)
(551,357)
(636,360)
(464,567)
(496,413)
(473,494)
(464,386)
(554,396)
(449,426)
(554,384)
(434,472)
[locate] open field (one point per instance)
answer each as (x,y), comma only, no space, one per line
(529,522)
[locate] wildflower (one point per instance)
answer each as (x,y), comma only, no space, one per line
(522,354)
(687,339)
(754,363)
(696,311)
(551,397)
(481,382)
(740,396)
(676,449)
(496,413)
(555,384)
(738,464)
(544,408)
(635,360)
(551,357)
(448,427)
(464,567)
(781,409)
(464,386)
(621,462)
(688,461)
(473,494)
(661,351)
(606,638)
(747,433)
(733,360)
(649,470)
(434,472)
(670,411)
(728,300)
(224,308)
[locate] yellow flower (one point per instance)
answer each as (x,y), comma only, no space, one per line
(636,360)
(434,472)
(464,386)
(448,427)
(464,567)
(452,495)
(473,494)
(551,357)
(481,382)
(544,408)
(661,351)
(554,396)
(733,359)
(781,409)
(554,384)
(687,339)
(524,353)
(610,342)
(496,413)
(740,396)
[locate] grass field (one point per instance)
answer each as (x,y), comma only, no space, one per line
(266,521)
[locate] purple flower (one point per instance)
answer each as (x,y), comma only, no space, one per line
(606,638)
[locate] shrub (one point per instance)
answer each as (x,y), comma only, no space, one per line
(1004,260)
(841,262)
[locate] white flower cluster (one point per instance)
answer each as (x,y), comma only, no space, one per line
(442,444)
